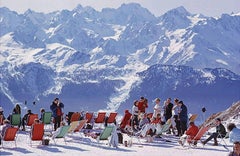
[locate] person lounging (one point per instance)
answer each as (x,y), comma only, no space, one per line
(220,132)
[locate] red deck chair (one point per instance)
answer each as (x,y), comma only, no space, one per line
(37,132)
(199,135)
(100,117)
(31,119)
(112,117)
(75,117)
(89,117)
(10,135)
(126,119)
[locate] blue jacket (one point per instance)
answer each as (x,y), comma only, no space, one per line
(54,107)
(183,115)
(234,135)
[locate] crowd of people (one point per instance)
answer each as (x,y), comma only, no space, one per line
(136,120)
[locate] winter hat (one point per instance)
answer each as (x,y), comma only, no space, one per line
(1,109)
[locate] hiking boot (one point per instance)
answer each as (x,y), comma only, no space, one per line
(203,143)
(195,143)
(215,144)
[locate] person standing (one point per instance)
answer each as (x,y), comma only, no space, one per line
(2,117)
(156,108)
(175,110)
(142,105)
(56,109)
(183,117)
(168,112)
(135,121)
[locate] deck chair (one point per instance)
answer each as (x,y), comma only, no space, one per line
(125,120)
(80,126)
(47,119)
(193,118)
(31,118)
(199,135)
(111,118)
(15,119)
(105,134)
(37,132)
(165,128)
(75,117)
(73,126)
(100,117)
(61,133)
(10,135)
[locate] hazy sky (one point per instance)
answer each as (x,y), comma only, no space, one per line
(157,7)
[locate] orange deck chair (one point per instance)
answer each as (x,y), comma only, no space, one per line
(10,135)
(31,119)
(199,135)
(37,132)
(75,116)
(112,117)
(100,117)
(89,117)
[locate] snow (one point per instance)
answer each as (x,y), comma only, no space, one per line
(78,145)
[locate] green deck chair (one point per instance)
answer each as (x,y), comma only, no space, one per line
(106,133)
(16,119)
(62,133)
(165,127)
(47,119)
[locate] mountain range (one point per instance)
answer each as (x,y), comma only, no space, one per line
(104,60)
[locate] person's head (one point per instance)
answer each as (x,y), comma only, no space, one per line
(176,101)
(42,110)
(36,121)
(231,126)
(56,100)
(191,123)
(180,103)
(6,121)
(168,100)
(142,98)
(236,147)
(157,100)
(29,111)
(135,103)
(1,109)
(218,121)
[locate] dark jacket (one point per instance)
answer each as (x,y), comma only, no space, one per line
(168,111)
(220,129)
(183,115)
(54,108)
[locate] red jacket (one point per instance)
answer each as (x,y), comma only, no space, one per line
(192,131)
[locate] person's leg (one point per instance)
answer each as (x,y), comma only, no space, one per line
(183,126)
(55,123)
(213,135)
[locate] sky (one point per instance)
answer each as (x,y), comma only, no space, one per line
(214,8)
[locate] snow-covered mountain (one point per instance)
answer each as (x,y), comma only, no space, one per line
(97,60)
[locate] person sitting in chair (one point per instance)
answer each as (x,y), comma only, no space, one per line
(6,125)
(220,133)
(189,134)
